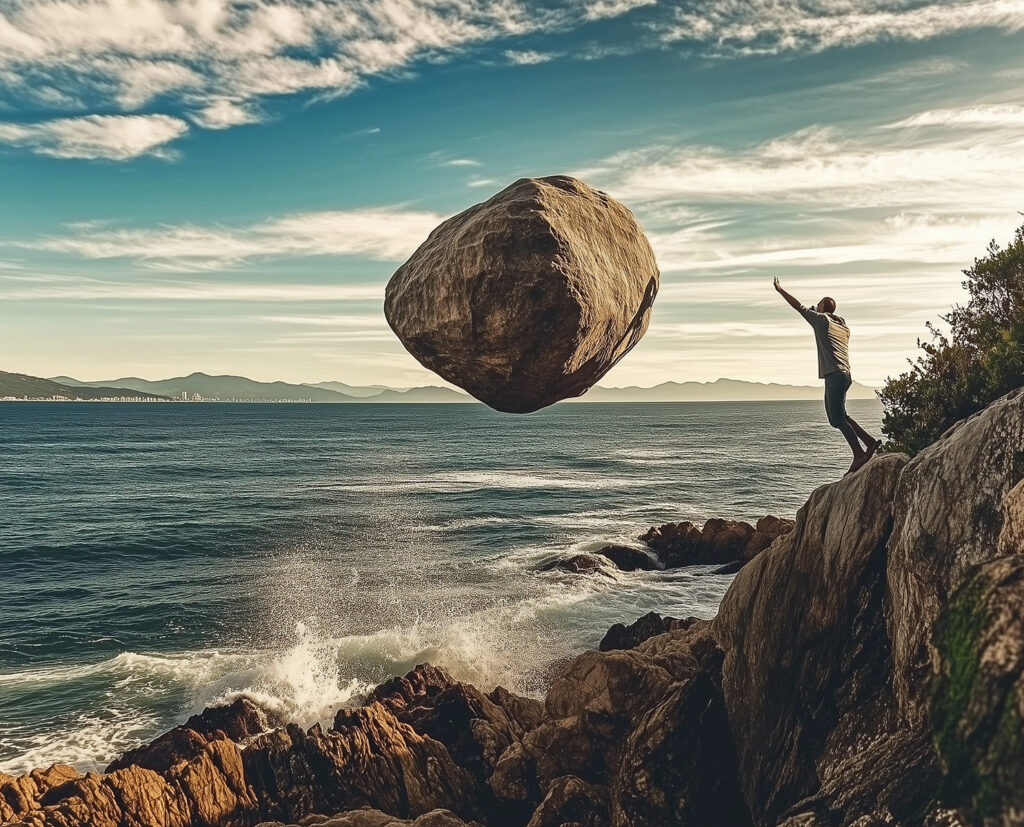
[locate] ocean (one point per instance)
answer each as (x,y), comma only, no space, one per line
(156,558)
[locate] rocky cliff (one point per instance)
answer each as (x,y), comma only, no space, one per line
(867,668)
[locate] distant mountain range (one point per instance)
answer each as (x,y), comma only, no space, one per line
(240,388)
(22,386)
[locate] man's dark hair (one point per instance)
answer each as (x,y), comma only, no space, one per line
(829,303)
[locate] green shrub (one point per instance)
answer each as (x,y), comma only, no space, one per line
(981,359)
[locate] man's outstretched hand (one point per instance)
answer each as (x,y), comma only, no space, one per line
(789,299)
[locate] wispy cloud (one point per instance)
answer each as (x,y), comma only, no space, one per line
(982,116)
(826,197)
(780,26)
(528,57)
(109,137)
(599,9)
(73,288)
(386,233)
(460,162)
(217,61)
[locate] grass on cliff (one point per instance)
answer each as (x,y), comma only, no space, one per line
(982,757)
(981,359)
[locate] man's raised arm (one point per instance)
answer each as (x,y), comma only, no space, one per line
(792,301)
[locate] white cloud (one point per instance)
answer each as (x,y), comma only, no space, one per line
(915,205)
(84,289)
(223,113)
(823,166)
(460,162)
(983,116)
(599,9)
(528,57)
(733,27)
(111,137)
(384,233)
(217,59)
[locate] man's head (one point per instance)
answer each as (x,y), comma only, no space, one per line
(827,305)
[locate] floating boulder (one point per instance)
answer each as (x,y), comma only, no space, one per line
(529,297)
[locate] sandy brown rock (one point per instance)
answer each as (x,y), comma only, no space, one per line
(20,794)
(766,532)
(976,703)
(949,516)
(237,721)
(529,297)
(1011,535)
(369,758)
(375,818)
(804,636)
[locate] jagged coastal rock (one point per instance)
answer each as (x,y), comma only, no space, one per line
(867,668)
(529,297)
(732,542)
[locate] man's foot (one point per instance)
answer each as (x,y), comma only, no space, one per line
(873,446)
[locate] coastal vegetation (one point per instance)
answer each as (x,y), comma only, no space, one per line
(980,358)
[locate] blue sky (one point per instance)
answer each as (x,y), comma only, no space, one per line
(200,185)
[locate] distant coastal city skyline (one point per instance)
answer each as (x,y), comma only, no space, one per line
(232,189)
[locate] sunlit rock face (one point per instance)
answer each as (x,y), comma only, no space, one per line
(529,297)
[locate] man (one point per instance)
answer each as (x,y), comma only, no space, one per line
(832,337)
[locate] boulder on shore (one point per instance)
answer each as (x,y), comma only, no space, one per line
(529,297)
(718,542)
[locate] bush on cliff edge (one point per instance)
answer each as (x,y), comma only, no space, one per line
(981,359)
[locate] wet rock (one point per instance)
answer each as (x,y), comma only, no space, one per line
(577,564)
(529,297)
(730,568)
(719,541)
(804,637)
(475,728)
(627,558)
(949,517)
(677,544)
(977,695)
(621,636)
(237,721)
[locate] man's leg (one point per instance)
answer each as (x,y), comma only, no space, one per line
(869,441)
(836,385)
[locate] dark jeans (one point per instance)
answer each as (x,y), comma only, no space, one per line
(836,386)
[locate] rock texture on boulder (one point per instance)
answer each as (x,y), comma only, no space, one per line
(950,510)
(977,697)
(529,297)
(790,675)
